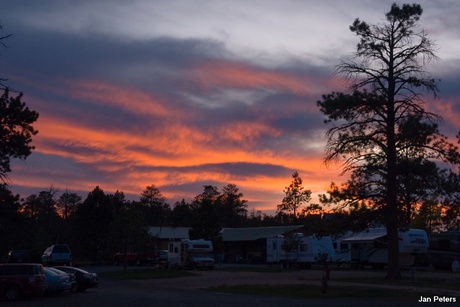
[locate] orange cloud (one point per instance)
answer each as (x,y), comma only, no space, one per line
(226,74)
(127,98)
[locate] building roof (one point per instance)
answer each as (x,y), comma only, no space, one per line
(170,233)
(255,233)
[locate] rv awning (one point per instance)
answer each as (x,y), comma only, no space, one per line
(363,237)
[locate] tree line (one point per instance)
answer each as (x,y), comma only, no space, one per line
(103,223)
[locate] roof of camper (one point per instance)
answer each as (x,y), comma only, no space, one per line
(366,236)
(255,233)
(170,233)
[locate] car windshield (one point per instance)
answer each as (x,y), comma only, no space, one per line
(58,271)
(50,272)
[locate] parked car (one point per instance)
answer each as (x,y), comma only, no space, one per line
(85,279)
(25,279)
(56,281)
(73,278)
(58,254)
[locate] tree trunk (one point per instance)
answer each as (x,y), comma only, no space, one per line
(391,216)
(393,244)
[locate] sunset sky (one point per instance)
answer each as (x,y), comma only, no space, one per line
(182,94)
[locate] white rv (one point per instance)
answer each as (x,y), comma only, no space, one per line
(195,254)
(370,247)
(299,249)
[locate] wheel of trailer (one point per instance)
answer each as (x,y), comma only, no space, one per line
(455,265)
(11,293)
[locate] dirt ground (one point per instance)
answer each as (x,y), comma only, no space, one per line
(312,277)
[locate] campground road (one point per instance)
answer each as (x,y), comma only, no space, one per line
(188,291)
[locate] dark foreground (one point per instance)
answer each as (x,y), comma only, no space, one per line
(188,291)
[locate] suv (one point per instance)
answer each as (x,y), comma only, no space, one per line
(58,254)
(25,279)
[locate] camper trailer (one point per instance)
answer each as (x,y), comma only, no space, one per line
(342,249)
(299,249)
(195,254)
(370,247)
(444,250)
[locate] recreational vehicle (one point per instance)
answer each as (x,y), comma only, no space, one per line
(444,250)
(370,247)
(195,254)
(299,249)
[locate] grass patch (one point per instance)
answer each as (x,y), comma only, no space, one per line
(252,269)
(147,274)
(298,291)
(432,283)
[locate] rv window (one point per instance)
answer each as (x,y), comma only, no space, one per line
(303,247)
(274,245)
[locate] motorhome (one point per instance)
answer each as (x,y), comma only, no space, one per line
(195,254)
(444,250)
(370,247)
(300,250)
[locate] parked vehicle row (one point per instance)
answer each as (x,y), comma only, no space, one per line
(32,279)
(84,279)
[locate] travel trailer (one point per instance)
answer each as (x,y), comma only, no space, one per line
(444,250)
(195,254)
(300,250)
(370,247)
